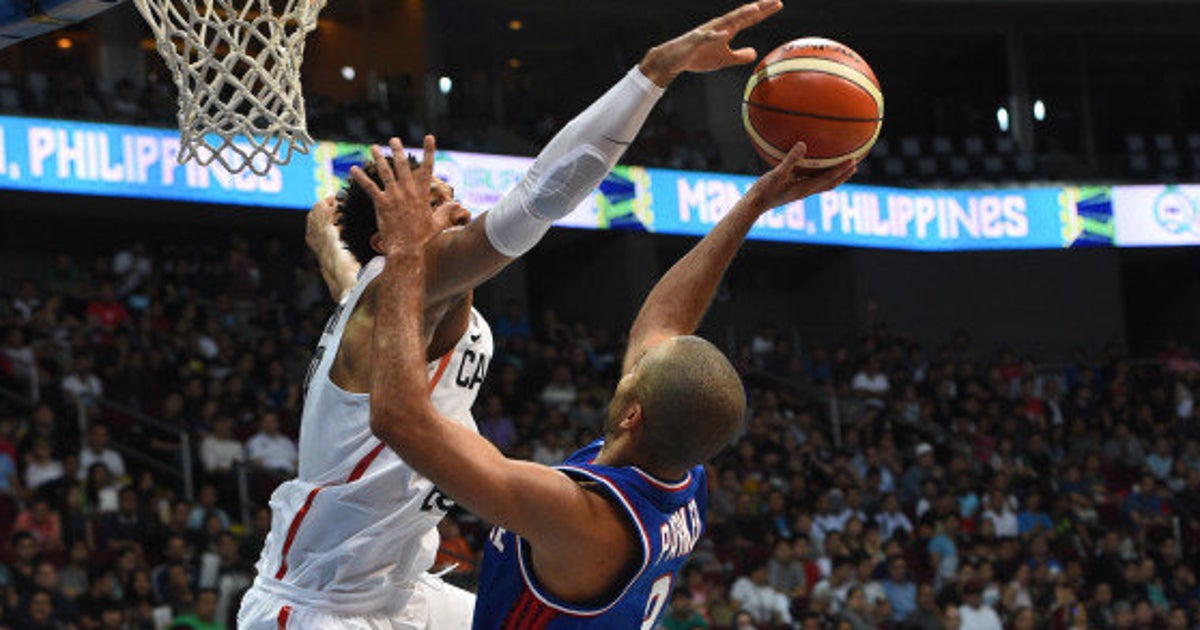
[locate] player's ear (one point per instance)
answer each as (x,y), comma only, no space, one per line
(377,242)
(631,417)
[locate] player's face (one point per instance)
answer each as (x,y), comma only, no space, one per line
(620,403)
(447,212)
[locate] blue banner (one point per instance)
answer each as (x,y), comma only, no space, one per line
(870,216)
(125,161)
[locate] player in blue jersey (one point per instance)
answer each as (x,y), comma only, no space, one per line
(596,542)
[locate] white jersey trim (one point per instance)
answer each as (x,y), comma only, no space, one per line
(664,485)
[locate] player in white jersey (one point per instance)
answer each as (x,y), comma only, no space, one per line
(353,535)
(358,522)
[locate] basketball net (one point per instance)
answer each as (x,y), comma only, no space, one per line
(236,65)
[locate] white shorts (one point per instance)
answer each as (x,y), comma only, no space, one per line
(449,607)
(435,605)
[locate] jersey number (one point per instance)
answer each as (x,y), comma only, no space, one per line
(659,594)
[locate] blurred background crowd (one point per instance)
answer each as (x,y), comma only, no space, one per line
(150,397)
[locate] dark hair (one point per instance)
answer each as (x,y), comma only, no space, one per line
(356,213)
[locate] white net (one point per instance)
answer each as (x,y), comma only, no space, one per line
(236,64)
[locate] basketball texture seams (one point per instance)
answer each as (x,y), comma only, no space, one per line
(818,91)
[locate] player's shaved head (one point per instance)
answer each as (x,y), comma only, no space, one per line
(692,402)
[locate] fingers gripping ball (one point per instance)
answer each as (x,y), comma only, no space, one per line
(817,91)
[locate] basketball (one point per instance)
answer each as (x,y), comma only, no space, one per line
(814,90)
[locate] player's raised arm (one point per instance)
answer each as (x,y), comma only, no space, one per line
(678,302)
(575,161)
(338,267)
(523,496)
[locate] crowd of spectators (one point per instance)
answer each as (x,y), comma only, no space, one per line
(98,531)
(956,487)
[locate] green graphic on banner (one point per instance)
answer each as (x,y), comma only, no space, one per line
(1087,217)
(625,201)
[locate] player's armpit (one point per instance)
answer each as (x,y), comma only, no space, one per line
(460,260)
(452,318)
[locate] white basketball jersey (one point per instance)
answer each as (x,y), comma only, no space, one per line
(358,523)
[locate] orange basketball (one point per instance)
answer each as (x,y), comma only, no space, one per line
(818,91)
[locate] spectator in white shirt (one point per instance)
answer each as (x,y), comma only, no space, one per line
(19,355)
(872,588)
(41,467)
(560,391)
(836,586)
(974,613)
(828,517)
(131,266)
(549,449)
(100,490)
(1002,516)
(762,343)
(220,450)
(891,519)
(98,452)
(868,461)
(870,383)
(27,302)
(754,595)
(82,385)
(270,450)
(851,502)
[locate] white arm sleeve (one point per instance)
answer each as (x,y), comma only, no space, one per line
(572,165)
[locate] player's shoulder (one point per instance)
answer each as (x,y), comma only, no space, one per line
(638,490)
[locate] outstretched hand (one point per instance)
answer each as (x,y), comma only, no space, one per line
(402,205)
(785,184)
(706,47)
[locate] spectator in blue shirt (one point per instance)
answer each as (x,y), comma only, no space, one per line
(1032,518)
(1143,506)
(1161,460)
(943,551)
(914,478)
(514,322)
(901,591)
(9,482)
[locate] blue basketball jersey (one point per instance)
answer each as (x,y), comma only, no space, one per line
(669,519)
